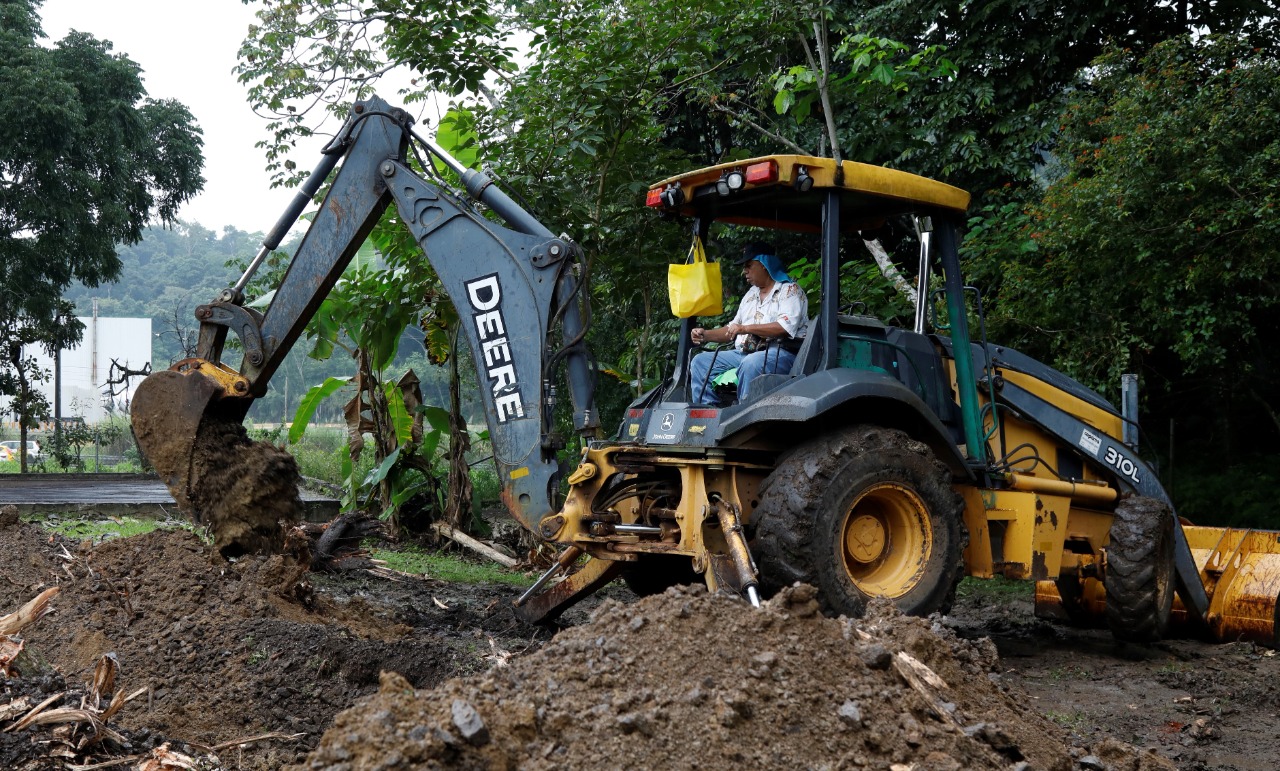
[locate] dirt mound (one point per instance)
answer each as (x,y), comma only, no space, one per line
(235,650)
(229,651)
(687,679)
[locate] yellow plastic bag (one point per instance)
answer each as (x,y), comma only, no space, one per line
(695,287)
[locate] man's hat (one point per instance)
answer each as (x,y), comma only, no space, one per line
(753,250)
(763,251)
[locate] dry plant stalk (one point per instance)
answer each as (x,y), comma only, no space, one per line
(925,682)
(28,614)
(104,678)
(26,720)
(10,647)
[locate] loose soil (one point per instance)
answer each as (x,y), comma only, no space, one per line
(239,488)
(230,651)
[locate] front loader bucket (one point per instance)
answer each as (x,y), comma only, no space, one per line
(1240,570)
(1240,573)
(191,430)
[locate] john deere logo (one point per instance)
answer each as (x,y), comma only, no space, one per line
(668,421)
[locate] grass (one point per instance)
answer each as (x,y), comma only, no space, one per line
(1060,674)
(47,466)
(1175,668)
(409,559)
(998,589)
(101,529)
(448,567)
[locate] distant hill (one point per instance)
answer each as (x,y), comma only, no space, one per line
(171,271)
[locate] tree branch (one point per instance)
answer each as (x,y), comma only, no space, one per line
(774,136)
(824,93)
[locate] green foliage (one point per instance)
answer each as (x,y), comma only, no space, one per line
(310,401)
(86,160)
(616,95)
(406,468)
(486,487)
(99,530)
(66,447)
(863,286)
(1017,63)
(878,74)
(1162,236)
(321,454)
(995,590)
(1236,495)
(456,133)
(450,45)
(1074,720)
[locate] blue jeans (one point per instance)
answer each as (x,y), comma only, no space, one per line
(703,373)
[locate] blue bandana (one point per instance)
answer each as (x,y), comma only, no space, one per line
(773,264)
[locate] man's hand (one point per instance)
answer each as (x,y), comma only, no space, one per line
(734,329)
(698,335)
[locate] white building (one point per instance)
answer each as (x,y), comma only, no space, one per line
(86,369)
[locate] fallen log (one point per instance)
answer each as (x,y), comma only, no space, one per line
(480,547)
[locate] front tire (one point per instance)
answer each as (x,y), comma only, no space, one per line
(862,513)
(1139,576)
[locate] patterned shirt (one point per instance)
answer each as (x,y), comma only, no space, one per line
(785,304)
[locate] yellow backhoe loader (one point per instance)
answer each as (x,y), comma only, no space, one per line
(886,462)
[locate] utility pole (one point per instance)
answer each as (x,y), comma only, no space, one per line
(57,399)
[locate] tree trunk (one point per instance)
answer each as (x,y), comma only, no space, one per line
(457,508)
(890,270)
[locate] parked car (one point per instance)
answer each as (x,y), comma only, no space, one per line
(11,447)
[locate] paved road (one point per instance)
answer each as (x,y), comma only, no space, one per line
(114,494)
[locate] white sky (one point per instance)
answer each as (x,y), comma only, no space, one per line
(187,51)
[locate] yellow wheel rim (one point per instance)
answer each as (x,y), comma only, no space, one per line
(885,540)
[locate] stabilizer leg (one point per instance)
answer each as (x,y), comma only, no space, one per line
(564,595)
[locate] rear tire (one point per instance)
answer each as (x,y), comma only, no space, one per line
(1139,576)
(862,513)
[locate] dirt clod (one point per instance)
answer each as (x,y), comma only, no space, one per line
(244,490)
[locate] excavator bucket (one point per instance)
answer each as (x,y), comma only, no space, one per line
(189,426)
(167,411)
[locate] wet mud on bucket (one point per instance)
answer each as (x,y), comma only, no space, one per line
(239,488)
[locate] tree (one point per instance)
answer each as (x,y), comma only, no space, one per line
(1018,61)
(1159,249)
(86,160)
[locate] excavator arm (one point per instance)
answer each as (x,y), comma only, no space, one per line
(512,285)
